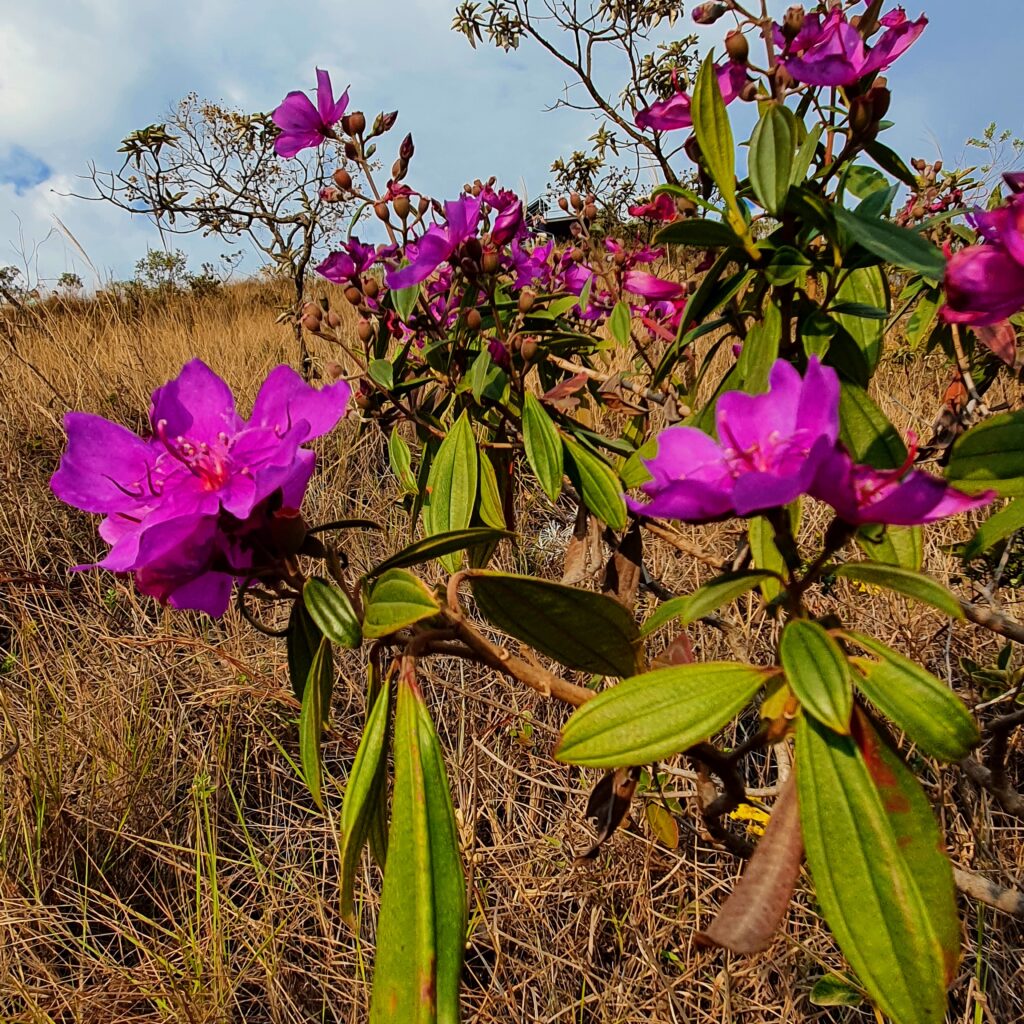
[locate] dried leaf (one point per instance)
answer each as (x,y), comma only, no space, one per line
(750,916)
(563,396)
(1001,340)
(584,552)
(623,570)
(609,801)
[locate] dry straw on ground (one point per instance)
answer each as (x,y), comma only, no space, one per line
(160,860)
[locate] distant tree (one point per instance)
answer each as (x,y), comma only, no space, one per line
(70,283)
(162,270)
(595,41)
(213,170)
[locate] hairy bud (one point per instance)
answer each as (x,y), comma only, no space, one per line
(529,349)
(473,319)
(399,169)
(370,287)
(311,323)
(380,208)
(406,149)
(737,47)
(423,205)
(708,14)
(353,295)
(491,262)
(526,300)
(354,123)
(576,201)
(342,179)
(364,331)
(563,203)
(333,318)
(590,211)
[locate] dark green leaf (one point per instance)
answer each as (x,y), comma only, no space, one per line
(404,300)
(362,793)
(770,163)
(892,163)
(578,628)
(918,702)
(657,714)
(397,599)
(452,486)
(861,180)
(441,544)
(634,472)
(760,350)
(714,134)
(912,584)
(332,611)
(898,246)
(697,232)
(598,484)
(990,456)
(543,447)
(865,287)
(865,431)
(315,702)
(302,642)
(818,673)
(422,929)
(805,155)
(382,372)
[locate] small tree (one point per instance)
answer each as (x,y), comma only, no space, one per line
(213,169)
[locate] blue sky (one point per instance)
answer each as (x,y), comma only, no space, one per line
(77,75)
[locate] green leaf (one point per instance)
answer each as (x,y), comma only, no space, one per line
(362,793)
(990,456)
(396,600)
(400,458)
(865,288)
(442,544)
(771,159)
(578,628)
(619,323)
(911,584)
(867,891)
(302,641)
(817,330)
(922,705)
(697,232)
(404,300)
(901,546)
(832,990)
(705,599)
(382,372)
(765,555)
(633,471)
(786,266)
(452,485)
(866,432)
(898,246)
(891,163)
(422,928)
(924,316)
(543,447)
(760,350)
(316,698)
(861,180)
(598,484)
(714,134)
(1005,523)
(332,611)
(818,673)
(657,714)
(805,155)
(490,508)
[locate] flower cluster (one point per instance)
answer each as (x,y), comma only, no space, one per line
(985,282)
(776,446)
(209,498)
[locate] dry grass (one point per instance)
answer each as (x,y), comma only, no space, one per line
(160,860)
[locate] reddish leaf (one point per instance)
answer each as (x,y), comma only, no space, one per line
(1001,340)
(562,396)
(749,918)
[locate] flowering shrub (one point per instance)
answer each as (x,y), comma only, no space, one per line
(745,396)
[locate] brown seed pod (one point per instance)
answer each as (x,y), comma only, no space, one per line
(364,331)
(402,206)
(529,349)
(526,300)
(370,287)
(342,179)
(473,319)
(353,295)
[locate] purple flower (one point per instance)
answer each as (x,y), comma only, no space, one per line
(897,497)
(348,263)
(832,52)
(769,450)
(661,208)
(509,223)
(667,115)
(438,242)
(304,126)
(209,497)
(985,283)
(531,265)
(654,288)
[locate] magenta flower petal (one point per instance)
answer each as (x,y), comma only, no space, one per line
(104,467)
(674,112)
(650,286)
(328,111)
(837,57)
(286,400)
(196,403)
(984,285)
(895,41)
